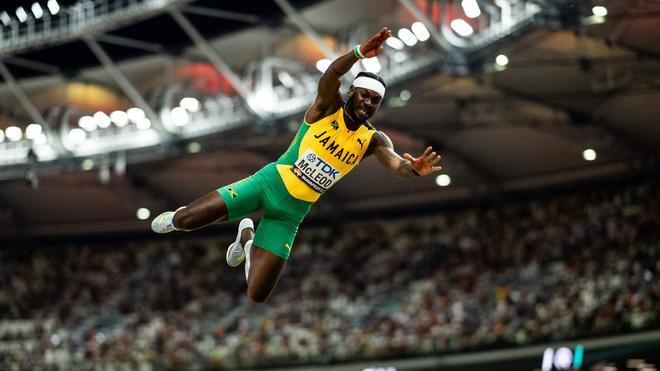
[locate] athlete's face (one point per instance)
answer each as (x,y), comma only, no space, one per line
(364,102)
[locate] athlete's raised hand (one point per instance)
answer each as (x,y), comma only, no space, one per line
(374,45)
(424,164)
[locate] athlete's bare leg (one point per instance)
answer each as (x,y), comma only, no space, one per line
(208,209)
(265,271)
(265,268)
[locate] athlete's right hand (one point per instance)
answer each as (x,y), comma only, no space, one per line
(374,45)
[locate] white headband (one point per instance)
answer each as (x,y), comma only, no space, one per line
(370,83)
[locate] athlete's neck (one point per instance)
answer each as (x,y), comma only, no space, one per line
(351,122)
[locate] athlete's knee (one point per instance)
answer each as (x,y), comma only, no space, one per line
(256,295)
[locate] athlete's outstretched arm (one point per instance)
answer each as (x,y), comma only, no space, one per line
(328,97)
(406,166)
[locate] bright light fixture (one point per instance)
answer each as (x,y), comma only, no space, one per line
(143,123)
(599,11)
(420,31)
(14,133)
(407,36)
(461,27)
(286,79)
(135,114)
(394,43)
(179,116)
(471,8)
(589,154)
(443,180)
(32,131)
(5,18)
(323,64)
(21,14)
(120,118)
(102,120)
(190,103)
(77,136)
(53,6)
(87,164)
(87,122)
(40,139)
(143,213)
(37,10)
(502,60)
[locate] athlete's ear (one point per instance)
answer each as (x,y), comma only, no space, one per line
(351,91)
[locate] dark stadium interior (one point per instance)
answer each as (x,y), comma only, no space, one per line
(544,232)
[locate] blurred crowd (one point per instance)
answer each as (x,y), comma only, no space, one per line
(578,265)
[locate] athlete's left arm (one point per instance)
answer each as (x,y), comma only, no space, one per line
(407,166)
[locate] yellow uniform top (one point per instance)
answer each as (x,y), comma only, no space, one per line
(321,154)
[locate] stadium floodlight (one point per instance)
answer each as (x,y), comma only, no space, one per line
(461,27)
(190,103)
(87,164)
(420,31)
(407,36)
(32,131)
(120,118)
(589,154)
(40,139)
(323,64)
(179,116)
(371,64)
(143,123)
(286,79)
(599,11)
(21,14)
(143,213)
(135,114)
(5,18)
(37,10)
(471,8)
(502,60)
(87,122)
(443,180)
(13,133)
(394,43)
(53,7)
(77,136)
(102,120)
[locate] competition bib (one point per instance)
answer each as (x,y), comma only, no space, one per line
(315,172)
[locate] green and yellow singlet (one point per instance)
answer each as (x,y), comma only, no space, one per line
(321,154)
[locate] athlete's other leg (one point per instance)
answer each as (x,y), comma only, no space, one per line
(264,271)
(208,209)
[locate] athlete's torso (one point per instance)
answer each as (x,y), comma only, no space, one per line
(321,154)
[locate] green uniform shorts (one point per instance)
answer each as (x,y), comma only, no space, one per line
(283,213)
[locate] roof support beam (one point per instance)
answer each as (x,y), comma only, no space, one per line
(306,28)
(620,136)
(130,43)
(31,109)
(222,14)
(126,86)
(215,58)
(33,65)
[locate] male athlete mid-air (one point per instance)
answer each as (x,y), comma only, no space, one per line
(332,140)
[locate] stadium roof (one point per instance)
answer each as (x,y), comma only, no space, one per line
(572,83)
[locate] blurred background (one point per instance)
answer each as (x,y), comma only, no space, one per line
(536,248)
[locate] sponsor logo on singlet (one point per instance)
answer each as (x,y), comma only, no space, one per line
(315,171)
